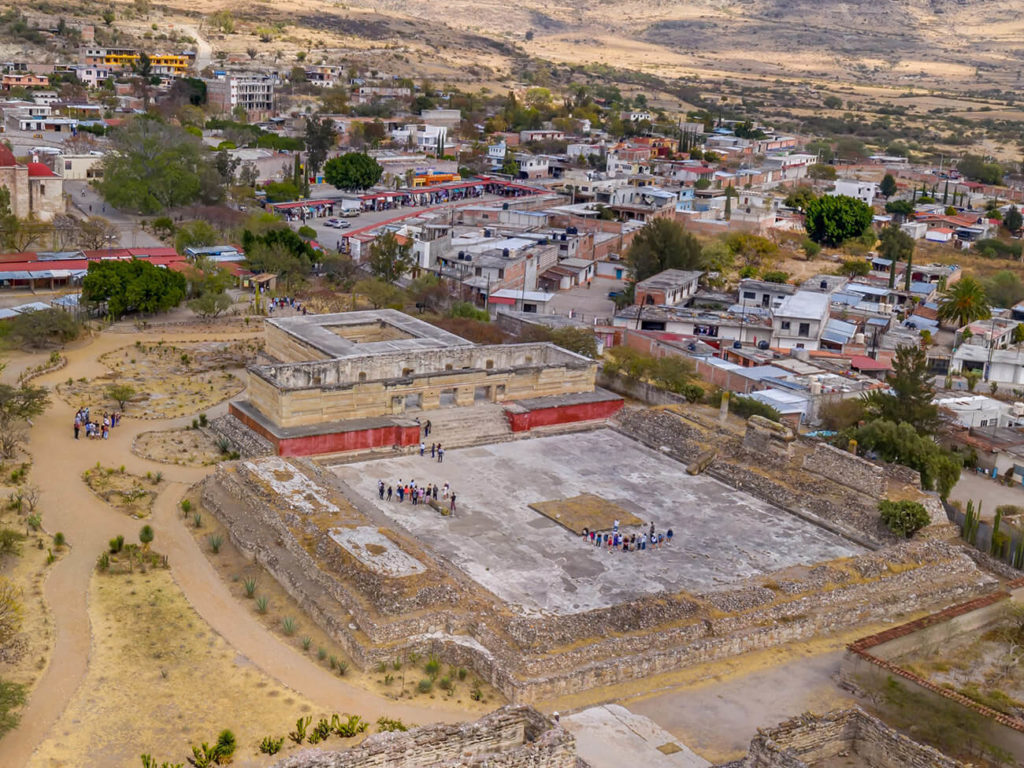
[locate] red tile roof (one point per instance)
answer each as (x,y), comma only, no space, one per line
(40,171)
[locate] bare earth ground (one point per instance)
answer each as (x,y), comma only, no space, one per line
(153,654)
(88,524)
(187,447)
(131,494)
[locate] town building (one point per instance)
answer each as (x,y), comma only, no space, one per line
(865,191)
(800,319)
(36,191)
(672,286)
(252,92)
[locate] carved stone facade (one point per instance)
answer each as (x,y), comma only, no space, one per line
(36,191)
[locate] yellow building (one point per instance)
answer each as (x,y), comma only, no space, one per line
(171,64)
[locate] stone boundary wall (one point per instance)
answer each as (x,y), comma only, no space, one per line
(847,469)
(812,740)
(638,390)
(867,665)
(31,374)
(511,737)
(544,658)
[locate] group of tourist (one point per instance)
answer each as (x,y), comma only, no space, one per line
(436,451)
(416,493)
(283,302)
(628,542)
(99,429)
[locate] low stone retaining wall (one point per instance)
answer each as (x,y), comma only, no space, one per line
(512,737)
(539,658)
(847,469)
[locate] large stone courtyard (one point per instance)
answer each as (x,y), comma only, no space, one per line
(721,535)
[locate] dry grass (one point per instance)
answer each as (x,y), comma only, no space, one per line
(125,492)
(160,680)
(169,380)
(185,447)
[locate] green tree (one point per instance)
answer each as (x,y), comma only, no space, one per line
(146,536)
(662,244)
(121,394)
(378,293)
(281,191)
(132,286)
(143,66)
(833,219)
(390,259)
(976,168)
(854,268)
(153,166)
(912,392)
(904,518)
(903,444)
(108,16)
(353,170)
(320,137)
(210,304)
(822,172)
(509,166)
(17,406)
(897,246)
(42,329)
(799,197)
(94,233)
(964,302)
(195,234)
(1013,220)
(1004,289)
(900,208)
(888,186)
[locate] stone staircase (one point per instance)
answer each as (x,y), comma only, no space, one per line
(465,427)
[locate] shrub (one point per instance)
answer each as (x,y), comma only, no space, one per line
(425,685)
(348,727)
(390,724)
(116,544)
(10,541)
(321,653)
(186,506)
(462,673)
(445,683)
(321,730)
(197,520)
(433,666)
(103,562)
(226,744)
(467,310)
(261,605)
(299,734)
(203,421)
(288,625)
(306,642)
(270,745)
(342,667)
(215,541)
(746,407)
(904,518)
(59,540)
(249,585)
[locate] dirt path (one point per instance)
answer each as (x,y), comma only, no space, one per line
(88,524)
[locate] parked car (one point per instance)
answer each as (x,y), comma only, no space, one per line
(336,223)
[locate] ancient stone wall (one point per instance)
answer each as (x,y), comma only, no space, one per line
(768,438)
(811,740)
(846,469)
(512,737)
(529,659)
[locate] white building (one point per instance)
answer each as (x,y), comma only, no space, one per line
(976,410)
(532,166)
(425,138)
(800,319)
(759,293)
(865,191)
(253,92)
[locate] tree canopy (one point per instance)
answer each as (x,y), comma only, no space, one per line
(353,170)
(888,185)
(44,328)
(964,302)
(833,219)
(896,245)
(153,165)
(911,400)
(662,244)
(976,168)
(132,286)
(389,258)
(319,139)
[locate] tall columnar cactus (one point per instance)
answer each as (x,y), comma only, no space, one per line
(996,546)
(968,520)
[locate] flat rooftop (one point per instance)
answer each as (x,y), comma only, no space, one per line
(538,566)
(369,332)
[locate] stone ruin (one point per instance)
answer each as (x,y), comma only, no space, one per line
(850,738)
(511,737)
(382,593)
(769,437)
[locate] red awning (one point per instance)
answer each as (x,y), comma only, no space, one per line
(501,300)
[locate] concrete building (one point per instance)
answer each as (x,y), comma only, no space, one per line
(253,92)
(673,286)
(760,293)
(800,319)
(421,137)
(865,191)
(976,410)
(36,191)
